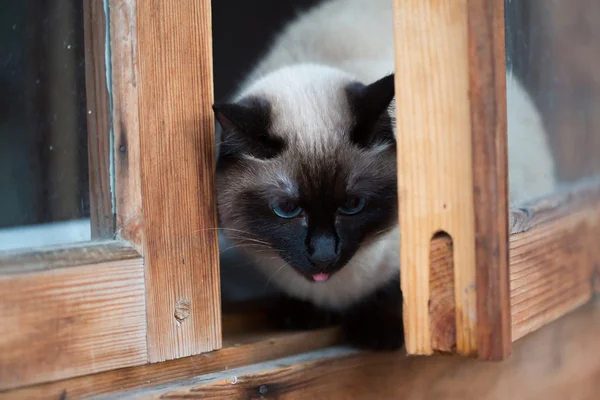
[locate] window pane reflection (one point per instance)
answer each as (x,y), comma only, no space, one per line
(43,142)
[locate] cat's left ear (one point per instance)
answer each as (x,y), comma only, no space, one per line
(245,129)
(370,105)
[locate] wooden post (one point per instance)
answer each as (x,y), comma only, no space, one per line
(451,127)
(175,95)
(487,88)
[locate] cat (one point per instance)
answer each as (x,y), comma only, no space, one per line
(306,171)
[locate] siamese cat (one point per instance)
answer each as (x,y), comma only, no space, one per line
(306,172)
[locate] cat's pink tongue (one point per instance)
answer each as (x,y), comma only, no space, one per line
(322,277)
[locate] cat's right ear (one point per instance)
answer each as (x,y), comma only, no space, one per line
(245,129)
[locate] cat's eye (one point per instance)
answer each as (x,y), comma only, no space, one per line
(286,209)
(353,205)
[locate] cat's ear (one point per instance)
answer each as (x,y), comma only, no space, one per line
(370,105)
(245,129)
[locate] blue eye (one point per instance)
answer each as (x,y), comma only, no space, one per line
(353,205)
(286,209)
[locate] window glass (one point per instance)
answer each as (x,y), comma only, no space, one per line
(44,196)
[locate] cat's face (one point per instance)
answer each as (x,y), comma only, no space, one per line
(307,170)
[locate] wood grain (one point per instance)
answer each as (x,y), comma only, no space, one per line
(52,257)
(71,321)
(442,303)
(553,262)
(98,120)
(487,89)
(239,350)
(175,94)
(433,116)
(126,130)
(551,364)
(553,256)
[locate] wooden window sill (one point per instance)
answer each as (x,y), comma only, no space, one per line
(554,270)
(552,363)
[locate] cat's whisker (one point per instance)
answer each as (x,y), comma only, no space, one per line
(225,229)
(274,273)
(249,246)
(385,230)
(240,238)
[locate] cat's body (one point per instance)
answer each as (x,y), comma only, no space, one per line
(313,133)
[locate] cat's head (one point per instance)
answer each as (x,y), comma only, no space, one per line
(307,167)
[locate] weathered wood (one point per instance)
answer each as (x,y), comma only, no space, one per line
(487,89)
(71,321)
(175,94)
(432,98)
(238,351)
(442,303)
(98,120)
(52,257)
(550,364)
(554,260)
(126,130)
(553,253)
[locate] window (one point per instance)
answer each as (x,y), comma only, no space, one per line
(43,144)
(109,256)
(550,90)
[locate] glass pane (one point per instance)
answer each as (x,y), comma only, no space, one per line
(553,51)
(43,141)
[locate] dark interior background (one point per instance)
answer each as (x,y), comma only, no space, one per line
(242,31)
(43,141)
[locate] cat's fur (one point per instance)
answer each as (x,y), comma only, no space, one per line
(301,135)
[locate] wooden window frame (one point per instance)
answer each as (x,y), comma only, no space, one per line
(152,293)
(106,316)
(474,299)
(450,86)
(547,362)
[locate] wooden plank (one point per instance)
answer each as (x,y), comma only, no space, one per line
(238,351)
(98,120)
(175,94)
(71,321)
(52,257)
(432,98)
(553,254)
(553,263)
(550,364)
(487,89)
(126,130)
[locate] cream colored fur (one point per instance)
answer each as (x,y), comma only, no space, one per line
(304,73)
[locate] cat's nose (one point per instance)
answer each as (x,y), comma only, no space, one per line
(323,264)
(323,252)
